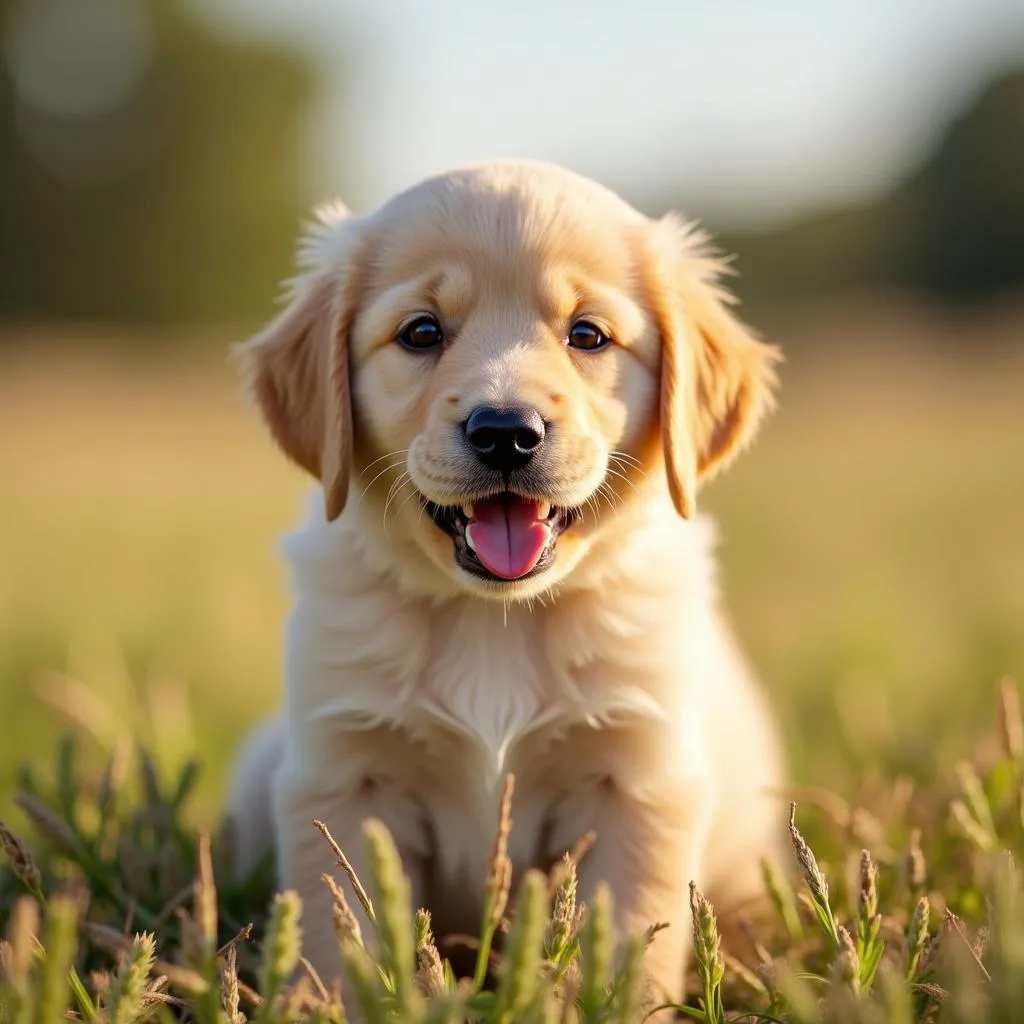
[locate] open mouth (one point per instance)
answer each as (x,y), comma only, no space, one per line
(504,537)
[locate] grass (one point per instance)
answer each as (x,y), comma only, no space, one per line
(907,909)
(870,553)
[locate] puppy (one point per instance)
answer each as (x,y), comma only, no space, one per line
(510,386)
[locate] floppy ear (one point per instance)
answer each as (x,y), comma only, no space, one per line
(297,367)
(717,378)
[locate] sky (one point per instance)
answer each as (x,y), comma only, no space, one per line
(757,110)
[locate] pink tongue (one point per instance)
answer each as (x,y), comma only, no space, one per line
(507,535)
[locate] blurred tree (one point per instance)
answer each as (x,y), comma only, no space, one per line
(148,166)
(970,200)
(953,230)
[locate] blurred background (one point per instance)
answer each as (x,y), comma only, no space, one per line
(864,160)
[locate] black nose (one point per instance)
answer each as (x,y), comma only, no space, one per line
(504,439)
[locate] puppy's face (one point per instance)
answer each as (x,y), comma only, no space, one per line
(503,360)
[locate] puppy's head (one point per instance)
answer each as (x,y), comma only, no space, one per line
(499,362)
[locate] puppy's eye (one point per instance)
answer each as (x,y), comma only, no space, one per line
(587,336)
(422,333)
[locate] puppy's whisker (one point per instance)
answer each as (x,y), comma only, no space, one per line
(622,476)
(396,484)
(609,494)
(603,492)
(627,467)
(403,482)
(396,489)
(627,471)
(389,455)
(391,495)
(621,453)
(624,458)
(409,498)
(385,470)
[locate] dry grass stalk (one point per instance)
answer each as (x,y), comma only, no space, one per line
(564,910)
(429,968)
(205,895)
(652,931)
(745,974)
(346,866)
(230,945)
(22,932)
(499,865)
(315,980)
(847,962)
(980,943)
(583,846)
(865,828)
(346,926)
(868,899)
(1011,725)
(977,799)
(229,986)
(805,858)
(969,827)
(22,864)
(914,863)
(953,923)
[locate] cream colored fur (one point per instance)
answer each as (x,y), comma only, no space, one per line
(609,685)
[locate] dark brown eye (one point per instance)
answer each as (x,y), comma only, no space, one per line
(422,333)
(587,336)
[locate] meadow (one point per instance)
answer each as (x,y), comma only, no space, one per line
(872,543)
(872,557)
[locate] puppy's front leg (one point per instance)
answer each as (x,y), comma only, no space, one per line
(650,844)
(304,855)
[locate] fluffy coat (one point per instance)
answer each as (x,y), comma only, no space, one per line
(610,684)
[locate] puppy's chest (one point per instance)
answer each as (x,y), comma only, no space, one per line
(489,704)
(491,694)
(485,689)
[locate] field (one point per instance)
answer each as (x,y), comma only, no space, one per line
(872,544)
(872,552)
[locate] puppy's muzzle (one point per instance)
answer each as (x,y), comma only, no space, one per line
(504,439)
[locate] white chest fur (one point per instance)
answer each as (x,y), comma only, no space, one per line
(486,682)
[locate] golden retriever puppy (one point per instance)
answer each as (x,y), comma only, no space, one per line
(510,386)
